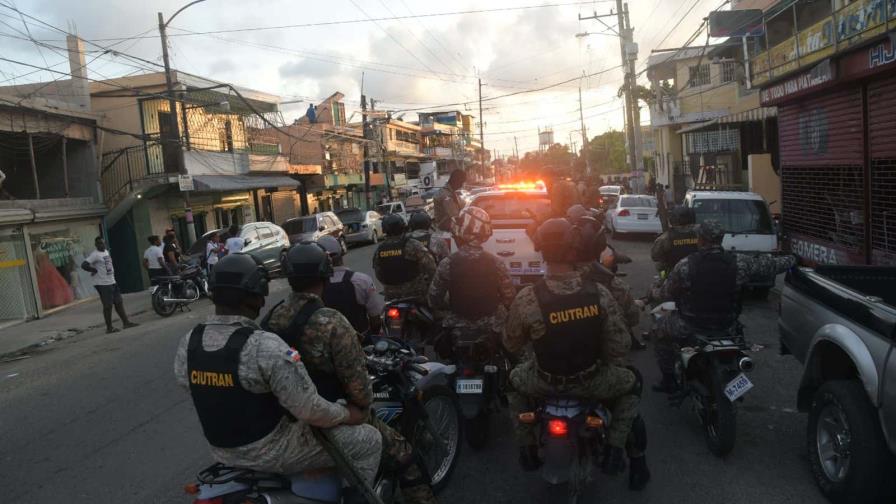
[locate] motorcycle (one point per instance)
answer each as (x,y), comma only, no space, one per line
(411,395)
(712,373)
(408,320)
(572,435)
(482,376)
(177,291)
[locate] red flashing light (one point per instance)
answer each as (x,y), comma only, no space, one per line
(393,313)
(558,427)
(623,213)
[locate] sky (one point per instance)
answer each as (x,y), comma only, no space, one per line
(406,64)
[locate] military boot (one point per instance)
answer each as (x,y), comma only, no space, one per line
(638,473)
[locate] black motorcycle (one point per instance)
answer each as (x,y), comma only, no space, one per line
(408,320)
(411,395)
(482,376)
(177,291)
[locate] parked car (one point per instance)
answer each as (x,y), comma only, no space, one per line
(393,207)
(312,227)
(511,213)
(840,323)
(361,226)
(265,241)
(609,194)
(633,214)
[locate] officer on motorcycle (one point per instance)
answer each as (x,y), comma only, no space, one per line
(420,225)
(706,287)
(351,293)
(576,331)
(678,242)
(404,266)
(332,353)
(473,287)
(252,393)
(446,203)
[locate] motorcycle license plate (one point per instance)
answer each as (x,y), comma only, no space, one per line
(737,387)
(469,386)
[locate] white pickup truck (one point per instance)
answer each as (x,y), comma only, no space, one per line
(512,213)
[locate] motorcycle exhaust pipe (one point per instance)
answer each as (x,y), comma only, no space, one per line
(176,300)
(745,364)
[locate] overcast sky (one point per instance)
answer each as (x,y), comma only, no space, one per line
(407,64)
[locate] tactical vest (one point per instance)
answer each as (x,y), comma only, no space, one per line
(573,331)
(684,243)
(473,287)
(328,385)
(230,415)
(425,239)
(393,267)
(712,301)
(342,298)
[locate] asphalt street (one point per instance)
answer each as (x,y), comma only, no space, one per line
(99,419)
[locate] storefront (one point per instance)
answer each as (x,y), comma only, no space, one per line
(837,141)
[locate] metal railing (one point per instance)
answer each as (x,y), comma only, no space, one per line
(122,168)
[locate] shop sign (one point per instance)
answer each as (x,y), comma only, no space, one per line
(859,17)
(185,182)
(300,169)
(814,252)
(867,61)
(820,74)
(816,42)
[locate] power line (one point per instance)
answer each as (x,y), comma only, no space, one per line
(393,37)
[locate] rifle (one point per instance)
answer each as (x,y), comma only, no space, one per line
(344,465)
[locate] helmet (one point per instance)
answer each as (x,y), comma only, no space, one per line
(419,220)
(681,216)
(307,260)
(575,212)
(558,240)
(242,272)
(330,245)
(473,225)
(711,231)
(593,241)
(393,225)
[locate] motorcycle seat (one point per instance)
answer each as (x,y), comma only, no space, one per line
(319,485)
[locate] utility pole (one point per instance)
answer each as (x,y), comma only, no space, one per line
(516,150)
(584,136)
(481,135)
(366,132)
(631,56)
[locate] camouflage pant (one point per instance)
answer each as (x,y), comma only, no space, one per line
(398,454)
(670,333)
(610,384)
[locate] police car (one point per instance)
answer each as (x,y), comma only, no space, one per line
(513,209)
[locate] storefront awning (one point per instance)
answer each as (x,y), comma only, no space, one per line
(752,115)
(241,182)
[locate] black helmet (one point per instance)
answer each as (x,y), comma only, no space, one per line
(558,240)
(419,220)
(594,239)
(242,272)
(681,216)
(307,260)
(393,225)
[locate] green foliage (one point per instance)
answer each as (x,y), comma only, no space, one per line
(557,156)
(607,153)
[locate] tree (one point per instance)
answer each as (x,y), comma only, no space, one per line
(556,156)
(607,152)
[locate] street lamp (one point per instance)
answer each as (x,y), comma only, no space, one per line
(172,116)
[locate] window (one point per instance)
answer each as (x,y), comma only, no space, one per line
(736,216)
(338,113)
(327,221)
(729,71)
(265,233)
(698,75)
(514,207)
(637,202)
(350,215)
(250,234)
(303,225)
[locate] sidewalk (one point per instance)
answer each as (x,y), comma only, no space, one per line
(67,323)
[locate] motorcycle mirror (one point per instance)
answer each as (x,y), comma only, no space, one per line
(381,347)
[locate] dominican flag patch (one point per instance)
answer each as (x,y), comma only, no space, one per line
(293,355)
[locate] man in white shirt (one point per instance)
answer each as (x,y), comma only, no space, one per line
(99,264)
(212,249)
(235,243)
(153,259)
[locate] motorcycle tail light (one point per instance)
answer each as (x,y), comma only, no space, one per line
(558,427)
(469,372)
(393,313)
(527,418)
(191,488)
(594,422)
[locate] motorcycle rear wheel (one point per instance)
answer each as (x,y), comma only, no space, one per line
(719,418)
(159,305)
(444,415)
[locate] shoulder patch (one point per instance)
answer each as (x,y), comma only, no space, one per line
(292,355)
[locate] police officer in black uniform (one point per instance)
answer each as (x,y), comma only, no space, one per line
(351,293)
(678,242)
(404,266)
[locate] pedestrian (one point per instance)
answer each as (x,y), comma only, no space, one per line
(99,264)
(446,202)
(172,254)
(235,242)
(154,258)
(174,241)
(212,250)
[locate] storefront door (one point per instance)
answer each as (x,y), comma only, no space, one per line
(17,294)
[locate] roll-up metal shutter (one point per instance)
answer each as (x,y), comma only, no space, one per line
(284,206)
(821,143)
(882,140)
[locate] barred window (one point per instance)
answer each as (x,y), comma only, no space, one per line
(698,75)
(729,71)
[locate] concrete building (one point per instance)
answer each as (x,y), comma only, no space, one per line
(449,140)
(51,206)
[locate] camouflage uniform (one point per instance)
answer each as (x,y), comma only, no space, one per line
(438,294)
(446,206)
(265,366)
(419,286)
(610,383)
(662,247)
(593,271)
(672,330)
(330,345)
(437,246)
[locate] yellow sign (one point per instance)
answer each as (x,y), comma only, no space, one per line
(12,263)
(391,253)
(816,42)
(573,314)
(211,378)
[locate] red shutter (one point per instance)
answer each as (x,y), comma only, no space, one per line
(822,130)
(882,133)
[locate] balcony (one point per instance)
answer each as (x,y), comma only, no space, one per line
(835,33)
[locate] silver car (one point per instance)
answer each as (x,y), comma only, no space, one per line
(361,226)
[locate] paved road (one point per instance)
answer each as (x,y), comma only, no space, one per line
(98,419)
